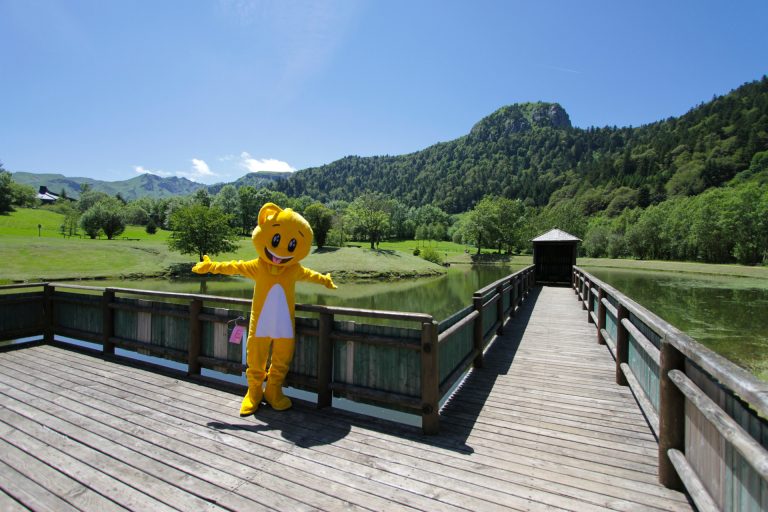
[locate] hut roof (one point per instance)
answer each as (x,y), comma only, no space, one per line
(556,235)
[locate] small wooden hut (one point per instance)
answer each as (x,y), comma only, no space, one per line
(554,254)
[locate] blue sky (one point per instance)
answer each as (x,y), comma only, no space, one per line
(211,90)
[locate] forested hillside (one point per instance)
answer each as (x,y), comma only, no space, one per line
(531,152)
(687,188)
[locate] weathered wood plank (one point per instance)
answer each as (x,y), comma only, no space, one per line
(161,444)
(309,431)
(609,376)
(29,492)
(8,504)
(297,472)
(127,496)
(403,477)
(541,427)
(73,492)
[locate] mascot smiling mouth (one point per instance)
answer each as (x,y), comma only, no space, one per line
(277,260)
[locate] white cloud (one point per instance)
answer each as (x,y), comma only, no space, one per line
(200,172)
(201,168)
(143,170)
(560,68)
(251,164)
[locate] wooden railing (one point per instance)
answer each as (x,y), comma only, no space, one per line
(709,415)
(408,368)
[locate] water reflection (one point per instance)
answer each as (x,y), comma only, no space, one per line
(726,314)
(438,296)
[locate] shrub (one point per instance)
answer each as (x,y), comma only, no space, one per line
(431,254)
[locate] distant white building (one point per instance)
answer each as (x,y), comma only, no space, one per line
(45,196)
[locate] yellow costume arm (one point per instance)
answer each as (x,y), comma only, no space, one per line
(244,268)
(306,274)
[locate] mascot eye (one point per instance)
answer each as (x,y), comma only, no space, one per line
(276,240)
(292,245)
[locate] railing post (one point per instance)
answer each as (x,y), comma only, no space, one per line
(324,361)
(500,309)
(477,333)
(108,322)
(584,293)
(600,316)
(514,295)
(195,336)
(622,344)
(48,309)
(671,414)
(430,379)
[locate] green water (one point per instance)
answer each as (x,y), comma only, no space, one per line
(438,296)
(727,314)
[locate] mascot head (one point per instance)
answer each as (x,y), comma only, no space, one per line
(283,237)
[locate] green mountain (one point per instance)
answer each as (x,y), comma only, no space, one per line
(141,186)
(253,179)
(530,151)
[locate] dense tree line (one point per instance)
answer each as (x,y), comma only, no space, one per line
(515,155)
(727,224)
(691,188)
(14,194)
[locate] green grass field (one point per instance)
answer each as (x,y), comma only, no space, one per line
(50,256)
(677,266)
(29,255)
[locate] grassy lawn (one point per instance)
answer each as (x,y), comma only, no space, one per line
(24,221)
(452,252)
(356,263)
(27,256)
(718,269)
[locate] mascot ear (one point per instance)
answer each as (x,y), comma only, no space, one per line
(268,211)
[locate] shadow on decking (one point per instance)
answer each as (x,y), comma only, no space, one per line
(305,426)
(460,413)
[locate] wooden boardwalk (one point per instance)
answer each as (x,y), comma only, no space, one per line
(541,427)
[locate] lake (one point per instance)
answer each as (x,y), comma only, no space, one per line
(438,296)
(727,314)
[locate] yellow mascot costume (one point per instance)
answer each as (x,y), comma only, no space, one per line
(282,239)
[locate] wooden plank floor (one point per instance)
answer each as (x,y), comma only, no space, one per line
(540,427)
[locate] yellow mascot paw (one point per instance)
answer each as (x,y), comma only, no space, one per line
(251,401)
(275,397)
(203,266)
(329,282)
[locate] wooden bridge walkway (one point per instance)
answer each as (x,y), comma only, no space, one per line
(542,426)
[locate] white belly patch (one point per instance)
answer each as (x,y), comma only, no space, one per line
(275,319)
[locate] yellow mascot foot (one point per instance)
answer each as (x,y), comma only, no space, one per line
(251,401)
(275,397)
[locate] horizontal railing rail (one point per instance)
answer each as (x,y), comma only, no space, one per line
(709,415)
(464,336)
(413,367)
